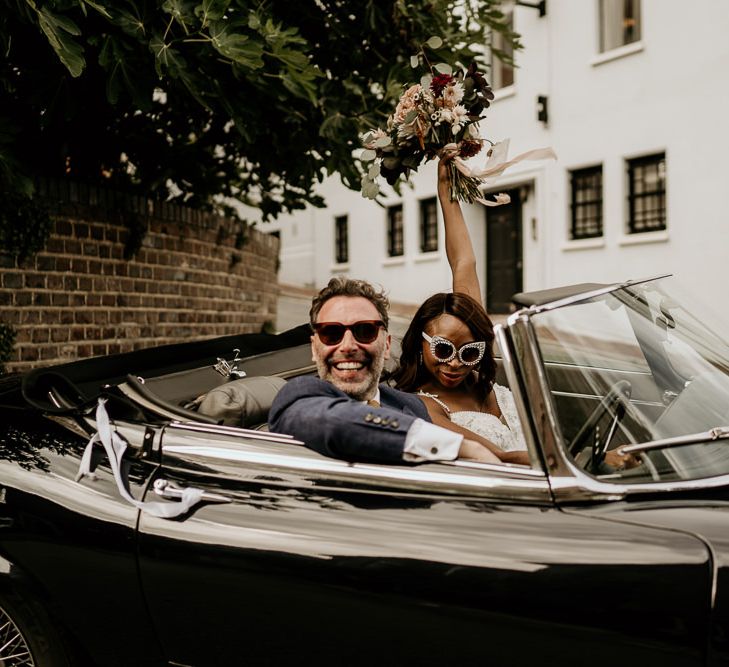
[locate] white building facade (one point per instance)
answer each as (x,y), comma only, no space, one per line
(633,97)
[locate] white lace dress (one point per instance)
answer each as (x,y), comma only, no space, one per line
(505,433)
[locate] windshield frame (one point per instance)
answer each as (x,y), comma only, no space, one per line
(568,481)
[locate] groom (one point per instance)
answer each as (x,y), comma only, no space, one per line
(345,413)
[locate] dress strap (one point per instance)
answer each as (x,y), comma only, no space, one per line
(436,399)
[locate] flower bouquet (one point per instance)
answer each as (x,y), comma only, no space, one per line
(439,117)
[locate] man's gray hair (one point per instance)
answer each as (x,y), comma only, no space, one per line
(340,286)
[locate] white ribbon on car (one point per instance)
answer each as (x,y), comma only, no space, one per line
(496,165)
(115,446)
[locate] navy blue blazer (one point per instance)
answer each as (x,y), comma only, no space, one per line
(333,424)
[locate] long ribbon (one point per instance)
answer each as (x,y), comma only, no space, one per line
(496,165)
(115,446)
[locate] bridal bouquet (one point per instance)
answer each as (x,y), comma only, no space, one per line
(439,117)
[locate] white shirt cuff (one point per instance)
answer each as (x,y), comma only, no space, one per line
(428,442)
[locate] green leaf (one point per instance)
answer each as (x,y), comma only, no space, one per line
(382,142)
(166,57)
(368,155)
(374,170)
(434,42)
(425,81)
(443,68)
(99,8)
(414,61)
(236,46)
(57,29)
(131,24)
(211,10)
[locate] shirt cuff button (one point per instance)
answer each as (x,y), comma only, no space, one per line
(433,450)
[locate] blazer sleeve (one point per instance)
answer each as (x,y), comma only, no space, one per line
(331,423)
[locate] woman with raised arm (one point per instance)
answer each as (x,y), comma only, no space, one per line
(447,356)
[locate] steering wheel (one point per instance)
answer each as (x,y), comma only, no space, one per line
(617,398)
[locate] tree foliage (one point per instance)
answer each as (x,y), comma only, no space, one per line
(194,99)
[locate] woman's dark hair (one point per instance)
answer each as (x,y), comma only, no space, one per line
(411,374)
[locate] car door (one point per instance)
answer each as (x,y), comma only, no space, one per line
(70,544)
(296,557)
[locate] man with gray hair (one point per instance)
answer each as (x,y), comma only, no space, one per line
(346,413)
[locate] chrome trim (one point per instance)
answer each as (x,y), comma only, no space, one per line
(538,394)
(635,401)
(515,483)
(568,301)
(517,392)
(562,364)
(222,429)
(717,433)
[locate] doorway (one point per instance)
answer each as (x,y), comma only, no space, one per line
(504,265)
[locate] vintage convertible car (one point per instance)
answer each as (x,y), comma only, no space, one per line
(147,516)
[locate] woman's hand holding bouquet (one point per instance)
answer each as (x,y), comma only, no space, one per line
(439,117)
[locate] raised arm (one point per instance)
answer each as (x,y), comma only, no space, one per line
(459,248)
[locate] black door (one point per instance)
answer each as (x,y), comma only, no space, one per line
(503,254)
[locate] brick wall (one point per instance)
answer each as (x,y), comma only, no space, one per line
(79,297)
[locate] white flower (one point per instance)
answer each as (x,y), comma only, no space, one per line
(453,94)
(459,117)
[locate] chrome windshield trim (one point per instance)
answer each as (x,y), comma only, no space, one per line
(584,296)
(517,392)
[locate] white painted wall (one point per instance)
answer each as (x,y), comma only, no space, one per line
(668,93)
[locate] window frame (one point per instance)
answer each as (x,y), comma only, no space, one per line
(429,241)
(395,231)
(502,74)
(633,197)
(341,239)
(631,12)
(577,206)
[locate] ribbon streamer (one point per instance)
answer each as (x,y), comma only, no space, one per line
(115,446)
(496,165)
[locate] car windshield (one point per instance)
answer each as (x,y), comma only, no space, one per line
(634,366)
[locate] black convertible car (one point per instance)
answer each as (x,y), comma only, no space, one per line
(148,517)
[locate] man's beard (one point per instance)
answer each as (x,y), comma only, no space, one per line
(359,391)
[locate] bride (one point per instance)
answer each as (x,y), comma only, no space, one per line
(447,353)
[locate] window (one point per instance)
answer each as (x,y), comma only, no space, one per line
(619,23)
(647,194)
(341,240)
(586,202)
(428,225)
(395,245)
(502,54)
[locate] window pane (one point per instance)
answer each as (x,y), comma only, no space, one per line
(395,234)
(586,208)
(647,194)
(502,73)
(341,240)
(619,23)
(429,225)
